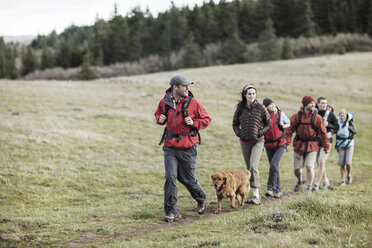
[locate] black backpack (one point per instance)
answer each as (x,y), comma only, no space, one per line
(193,131)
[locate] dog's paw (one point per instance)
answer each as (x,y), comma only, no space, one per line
(217,212)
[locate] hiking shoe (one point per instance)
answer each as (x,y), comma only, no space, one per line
(308,190)
(298,185)
(172,217)
(278,194)
(254,200)
(315,188)
(325,185)
(348,180)
(342,183)
(202,207)
(269,193)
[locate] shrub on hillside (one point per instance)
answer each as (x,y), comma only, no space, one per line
(57,73)
(211,54)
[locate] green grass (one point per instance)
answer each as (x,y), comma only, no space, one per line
(80,163)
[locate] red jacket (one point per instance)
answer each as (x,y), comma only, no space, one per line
(274,133)
(176,124)
(306,132)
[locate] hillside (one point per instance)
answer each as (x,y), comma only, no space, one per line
(80,163)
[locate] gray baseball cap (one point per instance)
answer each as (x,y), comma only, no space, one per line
(179,79)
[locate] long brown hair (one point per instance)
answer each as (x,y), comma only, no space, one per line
(243,101)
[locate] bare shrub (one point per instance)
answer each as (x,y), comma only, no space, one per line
(56,73)
(252,53)
(211,54)
(331,44)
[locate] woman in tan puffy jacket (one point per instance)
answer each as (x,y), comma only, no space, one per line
(250,123)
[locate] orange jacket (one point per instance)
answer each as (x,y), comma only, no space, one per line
(307,134)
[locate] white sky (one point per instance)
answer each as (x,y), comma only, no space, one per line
(32,17)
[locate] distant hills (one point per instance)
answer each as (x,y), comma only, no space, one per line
(22,39)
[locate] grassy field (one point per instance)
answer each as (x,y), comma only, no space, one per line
(80,164)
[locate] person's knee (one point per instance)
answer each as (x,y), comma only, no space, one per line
(170,179)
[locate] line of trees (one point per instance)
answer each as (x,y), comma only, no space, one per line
(234,24)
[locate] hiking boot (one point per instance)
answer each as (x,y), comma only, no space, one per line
(342,183)
(308,190)
(254,200)
(172,217)
(315,188)
(269,193)
(325,185)
(278,194)
(202,207)
(348,180)
(298,185)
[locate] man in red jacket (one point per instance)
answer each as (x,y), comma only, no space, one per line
(310,130)
(184,116)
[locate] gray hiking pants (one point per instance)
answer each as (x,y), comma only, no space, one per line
(180,164)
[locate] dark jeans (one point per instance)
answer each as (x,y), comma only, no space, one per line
(180,164)
(274,156)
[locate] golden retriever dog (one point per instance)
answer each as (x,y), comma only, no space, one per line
(233,184)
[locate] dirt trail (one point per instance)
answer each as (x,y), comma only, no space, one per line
(92,238)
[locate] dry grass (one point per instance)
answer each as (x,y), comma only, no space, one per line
(80,164)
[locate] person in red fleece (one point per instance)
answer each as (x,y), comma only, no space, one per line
(184,116)
(275,144)
(310,129)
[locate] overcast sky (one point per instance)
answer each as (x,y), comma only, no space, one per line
(32,17)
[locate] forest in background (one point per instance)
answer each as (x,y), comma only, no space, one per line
(211,34)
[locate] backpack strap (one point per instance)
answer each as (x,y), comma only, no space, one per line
(328,111)
(277,116)
(193,131)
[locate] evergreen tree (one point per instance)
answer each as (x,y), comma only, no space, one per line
(246,20)
(323,11)
(287,51)
(227,20)
(147,40)
(52,39)
(369,21)
(99,45)
(8,67)
(47,59)
(11,70)
(191,56)
(233,49)
(119,40)
(196,24)
(29,61)
(209,24)
(284,17)
(179,28)
(2,57)
(305,25)
(165,40)
(268,43)
(263,11)
(136,23)
(63,55)
(86,71)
